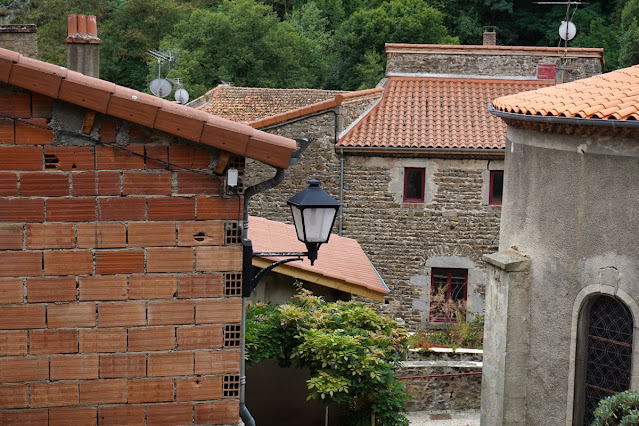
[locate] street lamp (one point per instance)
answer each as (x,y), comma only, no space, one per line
(314,212)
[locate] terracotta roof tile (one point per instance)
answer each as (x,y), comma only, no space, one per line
(613,95)
(558,51)
(357,275)
(417,112)
(82,29)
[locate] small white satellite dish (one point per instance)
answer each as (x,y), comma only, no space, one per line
(182,96)
(567,30)
(161,87)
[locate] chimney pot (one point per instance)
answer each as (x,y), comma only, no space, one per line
(83,45)
(490,36)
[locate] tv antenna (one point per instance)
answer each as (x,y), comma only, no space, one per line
(162,87)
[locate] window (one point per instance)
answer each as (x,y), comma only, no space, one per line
(414,185)
(496,187)
(448,293)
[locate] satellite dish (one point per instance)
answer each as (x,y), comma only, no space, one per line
(161,87)
(182,96)
(567,30)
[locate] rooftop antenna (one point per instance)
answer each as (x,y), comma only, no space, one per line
(162,87)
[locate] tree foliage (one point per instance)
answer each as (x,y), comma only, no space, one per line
(620,409)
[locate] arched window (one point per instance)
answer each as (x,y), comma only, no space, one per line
(604,354)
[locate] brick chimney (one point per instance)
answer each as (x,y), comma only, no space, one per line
(20,38)
(83,45)
(490,36)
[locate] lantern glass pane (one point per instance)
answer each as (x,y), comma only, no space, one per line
(318,223)
(297,219)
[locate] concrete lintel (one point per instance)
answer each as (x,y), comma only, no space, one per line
(508,261)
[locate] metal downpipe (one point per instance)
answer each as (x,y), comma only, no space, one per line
(341,191)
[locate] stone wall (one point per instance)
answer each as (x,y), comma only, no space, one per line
(20,38)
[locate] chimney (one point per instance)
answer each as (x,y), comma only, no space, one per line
(490,36)
(20,38)
(83,45)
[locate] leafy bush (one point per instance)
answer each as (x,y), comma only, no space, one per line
(350,350)
(621,409)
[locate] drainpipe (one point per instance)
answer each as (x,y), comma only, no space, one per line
(245,414)
(341,190)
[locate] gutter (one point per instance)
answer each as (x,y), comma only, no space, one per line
(439,151)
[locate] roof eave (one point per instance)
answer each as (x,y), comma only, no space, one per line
(447,152)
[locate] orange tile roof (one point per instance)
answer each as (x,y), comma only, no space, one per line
(140,108)
(341,263)
(614,95)
(423,112)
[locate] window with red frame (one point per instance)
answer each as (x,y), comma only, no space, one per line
(496,187)
(414,179)
(448,293)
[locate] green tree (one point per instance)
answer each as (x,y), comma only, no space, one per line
(629,54)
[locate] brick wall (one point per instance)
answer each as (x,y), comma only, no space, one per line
(119,277)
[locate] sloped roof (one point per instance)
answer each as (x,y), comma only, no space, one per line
(498,50)
(108,98)
(341,263)
(425,112)
(614,95)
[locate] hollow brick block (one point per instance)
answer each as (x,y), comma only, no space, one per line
(171,312)
(147,183)
(119,262)
(69,158)
(214,259)
(121,314)
(13,396)
(217,413)
(122,365)
(68,367)
(112,158)
(116,415)
(152,286)
(170,364)
(111,391)
(217,362)
(34,133)
(101,235)
(218,311)
(169,414)
(11,290)
(216,208)
(8,182)
(44,184)
(21,210)
(76,416)
(50,236)
(71,315)
(145,339)
(11,237)
(103,340)
(201,233)
(103,288)
(151,390)
(22,317)
(172,208)
(169,260)
(121,208)
(53,341)
(13,343)
(71,209)
(68,262)
(24,369)
(198,388)
(24,417)
(200,337)
(198,286)
(21,158)
(151,234)
(51,289)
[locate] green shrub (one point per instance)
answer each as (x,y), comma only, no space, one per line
(621,409)
(351,351)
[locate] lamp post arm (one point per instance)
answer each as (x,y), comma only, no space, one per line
(255,281)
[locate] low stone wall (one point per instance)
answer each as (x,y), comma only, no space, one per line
(460,389)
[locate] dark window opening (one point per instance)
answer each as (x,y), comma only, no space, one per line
(414,185)
(496,187)
(448,294)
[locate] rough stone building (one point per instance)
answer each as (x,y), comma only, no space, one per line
(120,259)
(563,300)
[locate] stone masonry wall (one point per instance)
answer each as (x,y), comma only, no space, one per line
(20,38)
(119,282)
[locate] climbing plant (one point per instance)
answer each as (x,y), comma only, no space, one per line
(350,350)
(619,409)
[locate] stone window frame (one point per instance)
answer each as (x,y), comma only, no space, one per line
(491,188)
(422,177)
(449,285)
(493,165)
(585,295)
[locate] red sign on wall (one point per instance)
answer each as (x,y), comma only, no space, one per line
(545,72)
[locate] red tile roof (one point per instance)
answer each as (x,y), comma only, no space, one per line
(341,263)
(108,98)
(423,112)
(614,95)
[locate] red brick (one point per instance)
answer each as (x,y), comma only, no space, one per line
(200,233)
(51,289)
(54,394)
(122,208)
(7,132)
(67,367)
(120,314)
(103,392)
(108,131)
(218,311)
(129,415)
(189,157)
(216,259)
(217,413)
(171,312)
(150,390)
(69,158)
(103,288)
(146,339)
(15,264)
(13,396)
(122,365)
(24,369)
(53,341)
(10,237)
(41,106)
(21,210)
(24,417)
(22,317)
(68,262)
(71,209)
(71,315)
(200,337)
(147,183)
(216,208)
(198,389)
(76,416)
(13,343)
(170,364)
(103,340)
(169,414)
(169,260)
(101,235)
(21,158)
(152,286)
(44,236)
(11,290)
(150,234)
(158,152)
(96,183)
(16,104)
(217,362)
(200,286)
(8,184)
(119,262)
(195,183)
(113,158)
(33,134)
(44,184)
(171,208)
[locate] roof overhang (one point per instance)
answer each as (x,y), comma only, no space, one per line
(488,153)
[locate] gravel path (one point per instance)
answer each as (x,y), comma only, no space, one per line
(444,418)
